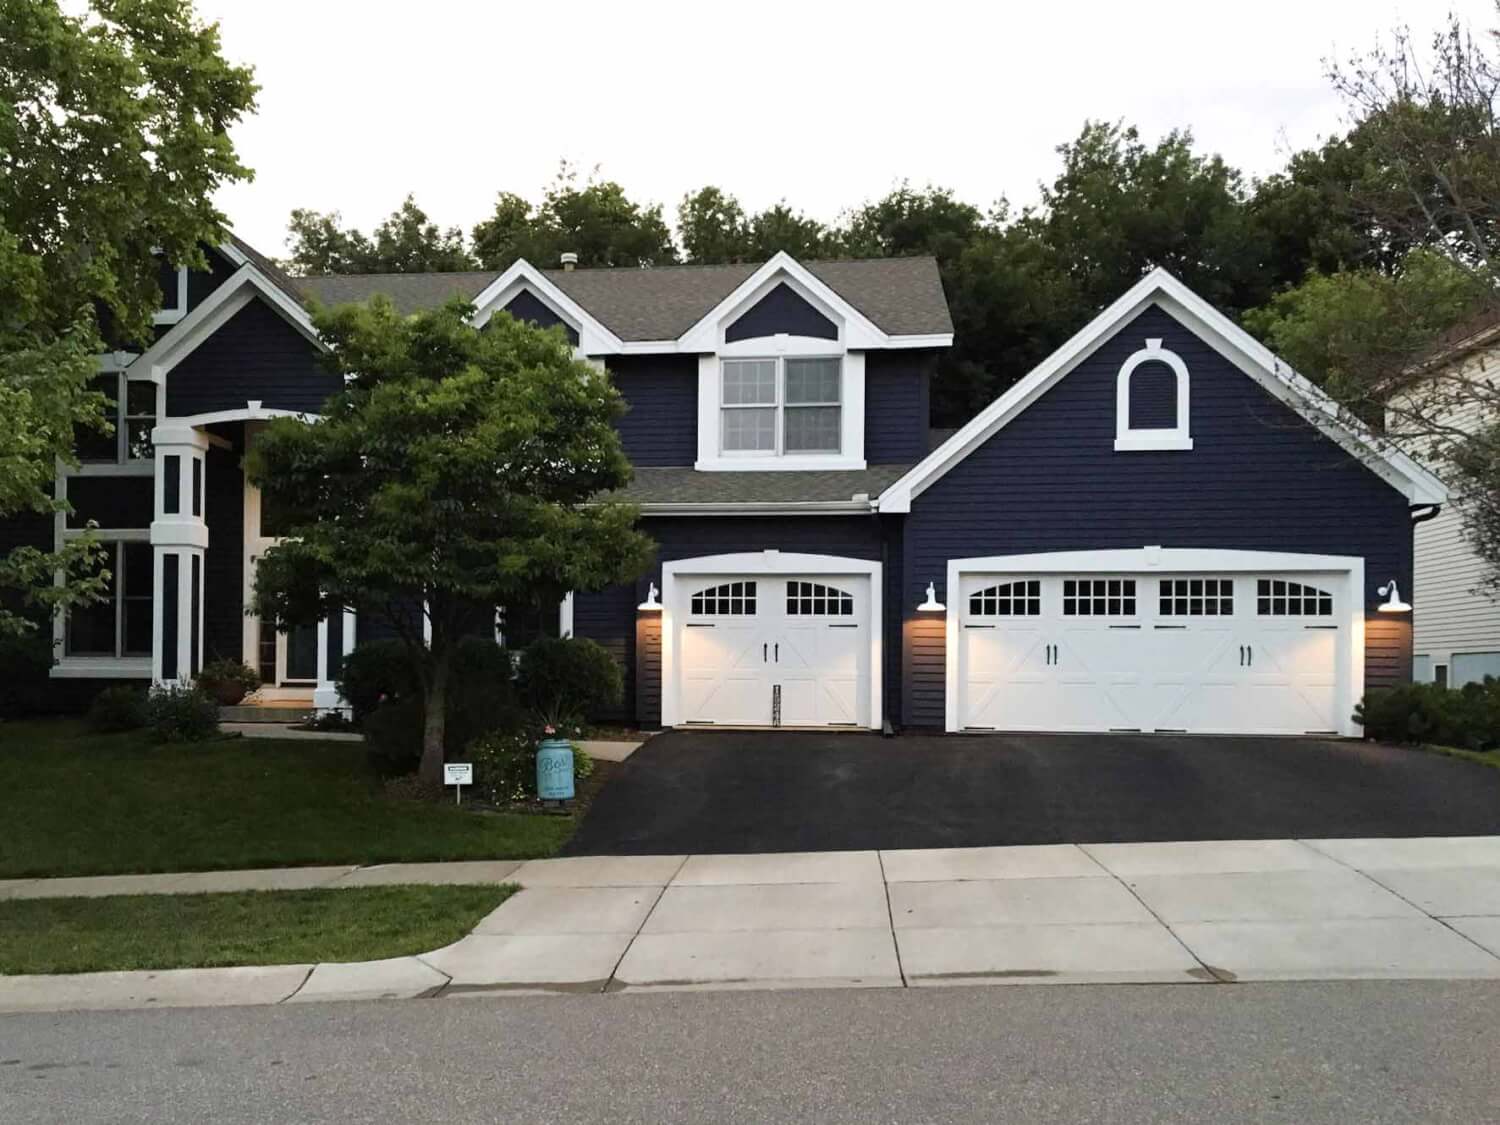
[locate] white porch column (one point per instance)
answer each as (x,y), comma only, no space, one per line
(179,541)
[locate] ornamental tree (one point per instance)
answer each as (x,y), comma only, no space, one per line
(114,137)
(460,469)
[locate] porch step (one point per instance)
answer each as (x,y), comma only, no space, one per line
(266,713)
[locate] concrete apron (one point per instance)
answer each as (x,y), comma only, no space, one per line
(1184,913)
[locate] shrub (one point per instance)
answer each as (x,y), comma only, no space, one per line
(228,681)
(505,764)
(382,689)
(116,708)
(181,714)
(566,680)
(25,661)
(1468,718)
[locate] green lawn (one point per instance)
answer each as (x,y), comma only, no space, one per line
(78,935)
(75,803)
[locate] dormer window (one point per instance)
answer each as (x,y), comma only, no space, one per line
(781,406)
(1151,401)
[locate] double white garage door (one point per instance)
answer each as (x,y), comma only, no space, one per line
(773,649)
(1259,653)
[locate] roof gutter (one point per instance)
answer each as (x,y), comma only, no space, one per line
(759,508)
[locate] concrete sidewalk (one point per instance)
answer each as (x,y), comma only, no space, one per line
(1192,913)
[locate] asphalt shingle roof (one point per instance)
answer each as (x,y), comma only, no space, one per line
(903,296)
(686,485)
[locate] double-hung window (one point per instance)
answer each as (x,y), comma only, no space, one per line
(771,407)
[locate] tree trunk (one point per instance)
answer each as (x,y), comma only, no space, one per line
(434,722)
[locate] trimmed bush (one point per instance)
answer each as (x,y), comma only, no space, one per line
(374,673)
(181,714)
(116,708)
(228,681)
(1467,718)
(505,764)
(566,680)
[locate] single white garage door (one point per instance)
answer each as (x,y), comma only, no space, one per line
(1212,653)
(779,650)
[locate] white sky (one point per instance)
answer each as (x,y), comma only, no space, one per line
(823,104)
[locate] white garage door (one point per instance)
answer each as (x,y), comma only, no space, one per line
(1213,653)
(773,650)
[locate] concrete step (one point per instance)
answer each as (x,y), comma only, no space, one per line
(266,713)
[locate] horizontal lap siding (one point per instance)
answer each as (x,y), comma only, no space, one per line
(896,405)
(661,426)
(255,355)
(610,617)
(1258,478)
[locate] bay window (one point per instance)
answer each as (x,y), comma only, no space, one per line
(771,407)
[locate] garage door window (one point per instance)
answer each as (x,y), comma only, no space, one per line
(732,599)
(1277,598)
(812,599)
(1197,597)
(1008,599)
(1098,597)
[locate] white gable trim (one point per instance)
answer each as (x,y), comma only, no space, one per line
(1161,289)
(242,287)
(593,337)
(855,329)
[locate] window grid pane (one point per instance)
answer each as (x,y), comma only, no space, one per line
(809,599)
(1021,598)
(1099,597)
(1197,597)
(812,429)
(750,429)
(731,599)
(812,382)
(1276,597)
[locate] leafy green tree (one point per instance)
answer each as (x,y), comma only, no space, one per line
(597,221)
(114,136)
(779,228)
(712,227)
(406,241)
(908,221)
(458,470)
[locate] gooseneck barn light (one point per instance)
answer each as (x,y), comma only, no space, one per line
(1393,602)
(931,605)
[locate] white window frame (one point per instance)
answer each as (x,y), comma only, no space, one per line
(171,314)
(1128,438)
(121,418)
(712,456)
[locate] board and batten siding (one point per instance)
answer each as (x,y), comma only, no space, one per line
(1259,477)
(610,616)
(254,356)
(661,391)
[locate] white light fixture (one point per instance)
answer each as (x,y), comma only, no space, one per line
(1393,602)
(931,605)
(651,604)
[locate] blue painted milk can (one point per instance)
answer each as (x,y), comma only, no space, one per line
(554,770)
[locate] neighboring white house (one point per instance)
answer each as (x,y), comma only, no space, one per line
(1456,630)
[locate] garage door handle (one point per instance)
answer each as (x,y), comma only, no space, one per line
(1249,657)
(776,652)
(763,653)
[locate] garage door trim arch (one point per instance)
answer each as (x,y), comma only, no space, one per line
(756,564)
(1166,561)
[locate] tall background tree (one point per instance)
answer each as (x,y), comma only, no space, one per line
(114,135)
(459,470)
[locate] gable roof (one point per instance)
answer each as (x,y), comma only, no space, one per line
(1161,289)
(683,490)
(901,296)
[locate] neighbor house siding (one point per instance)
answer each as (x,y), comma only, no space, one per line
(661,425)
(609,617)
(255,355)
(896,406)
(1259,477)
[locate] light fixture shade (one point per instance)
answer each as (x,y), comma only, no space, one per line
(932,605)
(1393,602)
(652,604)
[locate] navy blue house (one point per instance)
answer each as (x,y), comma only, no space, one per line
(1160,528)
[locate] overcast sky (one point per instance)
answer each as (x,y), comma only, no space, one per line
(825,105)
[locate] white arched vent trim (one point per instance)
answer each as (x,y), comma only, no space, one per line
(1174,437)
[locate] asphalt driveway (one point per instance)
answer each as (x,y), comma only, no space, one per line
(764,791)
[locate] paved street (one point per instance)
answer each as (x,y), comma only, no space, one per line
(1307,1053)
(696,791)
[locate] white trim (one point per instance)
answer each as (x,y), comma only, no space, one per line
(213,312)
(851,454)
(593,337)
(855,329)
(565,615)
(1176,436)
(1170,560)
(101,668)
(253,411)
(760,508)
(172,315)
(1163,290)
(769,562)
